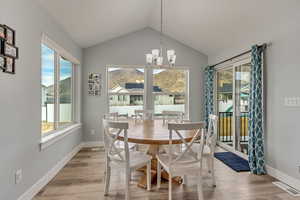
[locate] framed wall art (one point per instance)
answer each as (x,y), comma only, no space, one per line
(10,66)
(2,62)
(2,32)
(8,51)
(10,35)
(94,84)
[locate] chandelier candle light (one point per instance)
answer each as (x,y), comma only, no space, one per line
(156,56)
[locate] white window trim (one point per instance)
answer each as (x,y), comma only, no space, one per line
(60,50)
(52,137)
(148,70)
(57,135)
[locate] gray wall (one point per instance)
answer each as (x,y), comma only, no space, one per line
(20,110)
(282,80)
(131,49)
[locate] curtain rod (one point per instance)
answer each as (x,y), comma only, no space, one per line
(264,46)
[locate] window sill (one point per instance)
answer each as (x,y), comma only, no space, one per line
(58,135)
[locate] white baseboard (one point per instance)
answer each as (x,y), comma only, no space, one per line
(93,144)
(31,192)
(283,177)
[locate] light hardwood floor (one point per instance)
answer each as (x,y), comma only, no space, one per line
(82,179)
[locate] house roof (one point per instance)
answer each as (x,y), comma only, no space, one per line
(132,87)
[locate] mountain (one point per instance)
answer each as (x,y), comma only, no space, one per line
(123,76)
(167,80)
(170,80)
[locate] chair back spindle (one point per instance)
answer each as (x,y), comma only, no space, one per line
(175,128)
(110,139)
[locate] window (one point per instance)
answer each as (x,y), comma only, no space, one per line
(126,89)
(170,90)
(57,90)
(48,97)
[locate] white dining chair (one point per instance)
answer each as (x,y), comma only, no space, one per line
(116,117)
(117,158)
(187,162)
(210,146)
(169,115)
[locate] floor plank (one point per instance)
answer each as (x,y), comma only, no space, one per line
(82,179)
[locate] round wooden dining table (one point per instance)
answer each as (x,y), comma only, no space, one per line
(155,134)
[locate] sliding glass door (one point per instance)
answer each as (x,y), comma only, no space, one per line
(242,88)
(232,100)
(225,105)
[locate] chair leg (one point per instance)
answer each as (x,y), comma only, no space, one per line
(185,180)
(213,172)
(107,177)
(170,186)
(149,176)
(130,175)
(127,183)
(208,163)
(158,174)
(200,190)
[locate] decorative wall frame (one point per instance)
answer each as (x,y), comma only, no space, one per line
(10,35)
(8,51)
(10,66)
(2,32)
(2,63)
(94,84)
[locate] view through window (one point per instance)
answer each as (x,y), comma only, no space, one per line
(48,98)
(169,90)
(56,72)
(65,92)
(126,89)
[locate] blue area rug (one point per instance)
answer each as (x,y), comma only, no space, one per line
(233,161)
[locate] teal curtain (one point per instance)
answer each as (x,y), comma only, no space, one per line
(209,92)
(256,127)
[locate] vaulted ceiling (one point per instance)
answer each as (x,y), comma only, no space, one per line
(209,26)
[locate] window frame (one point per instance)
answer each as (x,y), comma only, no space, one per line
(60,53)
(148,87)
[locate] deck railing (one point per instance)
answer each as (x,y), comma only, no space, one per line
(225,133)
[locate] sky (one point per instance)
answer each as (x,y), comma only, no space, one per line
(48,67)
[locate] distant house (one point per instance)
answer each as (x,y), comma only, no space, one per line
(225,97)
(132,94)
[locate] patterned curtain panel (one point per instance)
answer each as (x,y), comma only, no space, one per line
(255,128)
(209,92)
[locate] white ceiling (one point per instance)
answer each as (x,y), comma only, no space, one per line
(209,26)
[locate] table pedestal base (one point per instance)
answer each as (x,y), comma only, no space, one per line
(153,151)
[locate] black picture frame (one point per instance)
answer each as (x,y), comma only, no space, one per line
(7,53)
(2,32)
(10,35)
(2,63)
(10,65)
